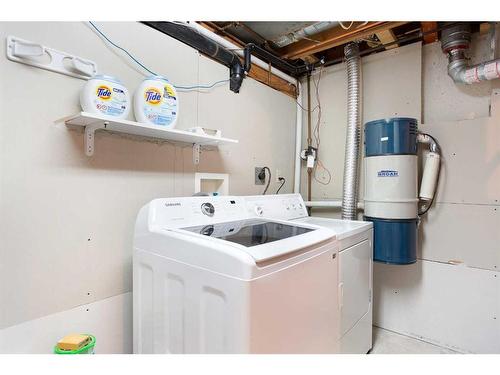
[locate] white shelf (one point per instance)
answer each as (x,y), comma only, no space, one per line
(92,122)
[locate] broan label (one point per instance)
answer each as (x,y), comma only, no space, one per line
(387,173)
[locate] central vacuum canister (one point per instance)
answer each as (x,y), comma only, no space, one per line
(391,200)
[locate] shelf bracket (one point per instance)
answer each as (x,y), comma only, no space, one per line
(196,153)
(89,138)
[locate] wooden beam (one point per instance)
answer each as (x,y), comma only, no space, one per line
(484,28)
(311,59)
(386,37)
(432,37)
(266,77)
(333,37)
(260,74)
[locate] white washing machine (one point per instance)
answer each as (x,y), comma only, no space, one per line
(355,264)
(212,277)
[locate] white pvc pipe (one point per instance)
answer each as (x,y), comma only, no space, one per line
(331,204)
(298,140)
(237,49)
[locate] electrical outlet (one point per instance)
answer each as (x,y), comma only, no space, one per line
(259,181)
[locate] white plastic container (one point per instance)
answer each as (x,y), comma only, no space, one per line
(156,102)
(105,95)
(430,176)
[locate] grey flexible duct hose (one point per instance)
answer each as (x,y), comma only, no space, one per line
(350,188)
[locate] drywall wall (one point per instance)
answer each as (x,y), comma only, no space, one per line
(391,87)
(66,220)
(448,305)
(454,291)
(109,320)
(451,296)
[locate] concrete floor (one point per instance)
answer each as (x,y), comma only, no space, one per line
(388,342)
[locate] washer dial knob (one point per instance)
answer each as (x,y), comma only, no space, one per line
(208,209)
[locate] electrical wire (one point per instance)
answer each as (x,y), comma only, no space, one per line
(305,109)
(316,130)
(268,181)
(317,137)
(422,213)
(346,27)
(350,25)
(121,48)
(282,184)
(178,87)
(205,87)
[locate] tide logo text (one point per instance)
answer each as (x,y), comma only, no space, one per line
(104,92)
(152,96)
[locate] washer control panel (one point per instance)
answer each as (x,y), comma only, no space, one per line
(284,206)
(191,211)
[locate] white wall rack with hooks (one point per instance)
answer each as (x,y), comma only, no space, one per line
(93,122)
(40,56)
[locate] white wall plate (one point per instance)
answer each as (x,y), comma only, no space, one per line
(215,182)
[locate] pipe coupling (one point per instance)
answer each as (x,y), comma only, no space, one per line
(351,50)
(456,37)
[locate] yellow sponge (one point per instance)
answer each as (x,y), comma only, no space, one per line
(73,342)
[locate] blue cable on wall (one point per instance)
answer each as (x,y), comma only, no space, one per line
(182,88)
(201,86)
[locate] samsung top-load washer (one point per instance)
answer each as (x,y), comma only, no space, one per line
(355,264)
(211,277)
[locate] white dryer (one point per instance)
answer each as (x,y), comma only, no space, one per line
(355,264)
(211,277)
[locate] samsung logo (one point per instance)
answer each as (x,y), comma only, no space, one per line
(172,204)
(387,173)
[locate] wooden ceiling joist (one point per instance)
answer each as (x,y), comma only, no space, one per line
(432,37)
(260,74)
(386,37)
(266,77)
(334,37)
